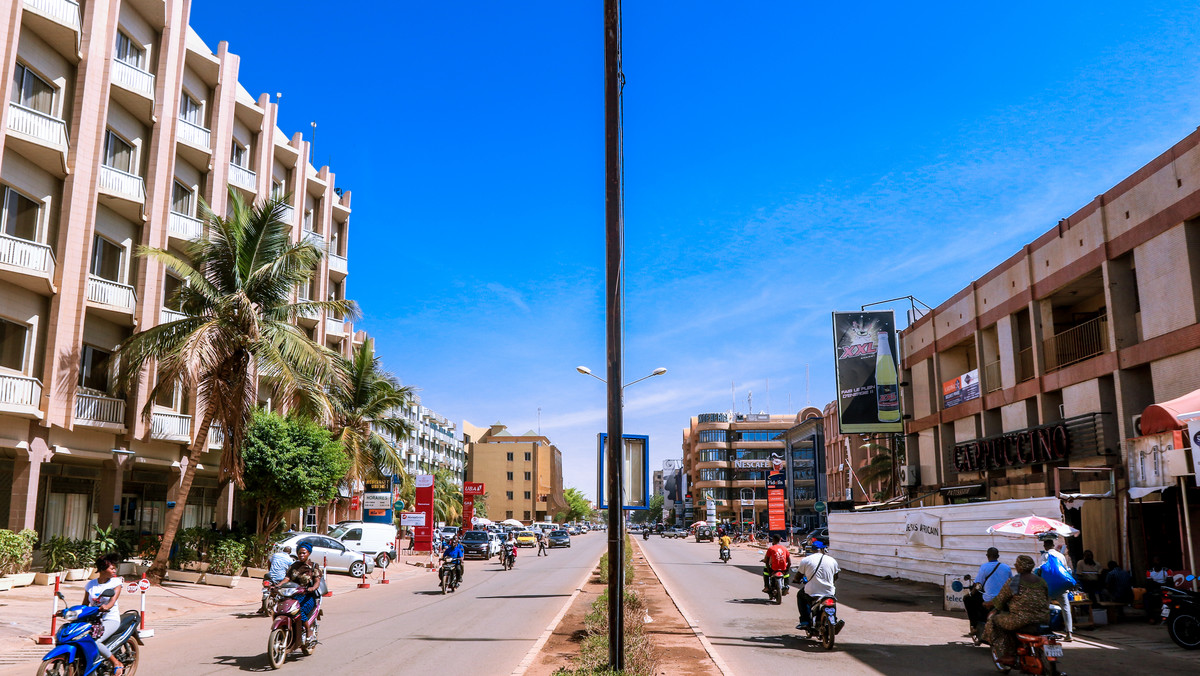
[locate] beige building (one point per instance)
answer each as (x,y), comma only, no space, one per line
(1071,338)
(522,475)
(117,121)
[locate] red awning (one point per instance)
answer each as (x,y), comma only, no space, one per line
(1164,417)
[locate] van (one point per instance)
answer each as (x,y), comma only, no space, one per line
(376,540)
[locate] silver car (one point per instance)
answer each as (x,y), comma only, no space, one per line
(331,554)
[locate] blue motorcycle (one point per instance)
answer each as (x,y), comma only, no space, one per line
(75,652)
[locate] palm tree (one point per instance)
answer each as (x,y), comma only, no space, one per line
(364,419)
(237,331)
(447,497)
(880,467)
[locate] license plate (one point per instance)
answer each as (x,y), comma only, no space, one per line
(1053,651)
(1166,611)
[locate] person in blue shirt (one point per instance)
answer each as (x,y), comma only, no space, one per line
(280,562)
(454,550)
(988,582)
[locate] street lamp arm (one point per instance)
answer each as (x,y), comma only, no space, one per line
(657,372)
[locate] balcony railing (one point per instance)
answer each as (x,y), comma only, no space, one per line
(133,78)
(22,253)
(170,426)
(1076,344)
(314,237)
(335,326)
(288,214)
(991,376)
(183,226)
(33,123)
(99,408)
(309,313)
(20,390)
(122,183)
(216,436)
(107,292)
(1025,369)
(194,135)
(167,315)
(338,264)
(64,12)
(242,177)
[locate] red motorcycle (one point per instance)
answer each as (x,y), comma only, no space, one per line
(1038,652)
(288,632)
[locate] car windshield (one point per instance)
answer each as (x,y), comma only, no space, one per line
(559,532)
(525,534)
(475,536)
(338,532)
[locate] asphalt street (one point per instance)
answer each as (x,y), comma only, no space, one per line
(486,627)
(891,627)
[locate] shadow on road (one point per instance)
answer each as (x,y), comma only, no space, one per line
(764,601)
(247,662)
(525,596)
(467,639)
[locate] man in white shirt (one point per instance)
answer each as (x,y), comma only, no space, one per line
(1049,552)
(819,571)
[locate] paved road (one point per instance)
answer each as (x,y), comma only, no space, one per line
(891,627)
(485,627)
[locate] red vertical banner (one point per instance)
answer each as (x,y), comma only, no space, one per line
(776,502)
(471,489)
(424,497)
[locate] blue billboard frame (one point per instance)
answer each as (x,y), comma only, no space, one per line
(602,476)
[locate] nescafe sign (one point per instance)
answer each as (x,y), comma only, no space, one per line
(1014,449)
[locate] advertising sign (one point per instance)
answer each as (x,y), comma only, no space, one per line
(776,502)
(635,471)
(355,502)
(962,389)
(1153,462)
(377,501)
(471,489)
(412,519)
(923,529)
(868,381)
(752,464)
(423,541)
(1193,424)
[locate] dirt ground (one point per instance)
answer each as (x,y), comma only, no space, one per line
(679,651)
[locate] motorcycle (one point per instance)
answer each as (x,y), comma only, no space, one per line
(646,534)
(1181,613)
(509,559)
(725,555)
(448,575)
(777,586)
(825,625)
(288,632)
(75,652)
(1038,651)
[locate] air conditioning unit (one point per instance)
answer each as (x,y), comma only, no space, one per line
(1137,425)
(910,475)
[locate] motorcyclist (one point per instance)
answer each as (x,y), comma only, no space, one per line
(724,543)
(819,572)
(307,574)
(454,551)
(106,580)
(777,558)
(510,547)
(281,560)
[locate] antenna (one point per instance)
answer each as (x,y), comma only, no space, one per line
(768,396)
(750,402)
(539,421)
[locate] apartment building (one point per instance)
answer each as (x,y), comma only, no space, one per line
(434,443)
(1071,338)
(522,475)
(118,121)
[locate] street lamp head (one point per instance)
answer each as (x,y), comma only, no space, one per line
(584,370)
(659,371)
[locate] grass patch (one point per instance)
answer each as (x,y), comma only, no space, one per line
(640,657)
(628,563)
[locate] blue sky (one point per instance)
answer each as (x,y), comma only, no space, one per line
(782,161)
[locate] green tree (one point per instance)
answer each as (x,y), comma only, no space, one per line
(481,510)
(880,468)
(447,497)
(364,416)
(238,333)
(652,514)
(578,508)
(288,463)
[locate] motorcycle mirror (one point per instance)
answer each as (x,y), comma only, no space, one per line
(60,596)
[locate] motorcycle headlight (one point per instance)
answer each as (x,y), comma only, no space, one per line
(70,614)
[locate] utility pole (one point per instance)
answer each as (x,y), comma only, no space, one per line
(614,244)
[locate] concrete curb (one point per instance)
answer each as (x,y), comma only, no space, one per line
(536,650)
(708,646)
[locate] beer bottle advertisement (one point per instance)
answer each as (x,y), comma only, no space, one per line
(867,370)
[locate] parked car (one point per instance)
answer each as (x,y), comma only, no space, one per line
(675,533)
(448,532)
(558,538)
(526,538)
(376,540)
(821,534)
(330,553)
(478,544)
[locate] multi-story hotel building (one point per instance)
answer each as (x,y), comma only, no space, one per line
(117,122)
(1072,337)
(522,475)
(434,443)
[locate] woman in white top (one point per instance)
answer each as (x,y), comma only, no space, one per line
(93,595)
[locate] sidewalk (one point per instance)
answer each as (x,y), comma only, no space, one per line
(173,605)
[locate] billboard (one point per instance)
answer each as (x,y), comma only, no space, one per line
(868,380)
(471,490)
(423,541)
(635,471)
(776,502)
(961,389)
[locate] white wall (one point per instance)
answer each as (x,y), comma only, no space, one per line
(874,542)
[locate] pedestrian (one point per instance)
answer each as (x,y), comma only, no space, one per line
(1049,552)
(991,577)
(1118,583)
(1157,577)
(541,539)
(1087,572)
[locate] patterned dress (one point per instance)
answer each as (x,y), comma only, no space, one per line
(305,574)
(1029,603)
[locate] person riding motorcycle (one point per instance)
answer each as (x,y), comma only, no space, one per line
(280,562)
(777,558)
(819,573)
(308,575)
(510,547)
(106,580)
(455,552)
(724,543)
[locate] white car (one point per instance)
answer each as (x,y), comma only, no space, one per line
(497,544)
(329,553)
(376,540)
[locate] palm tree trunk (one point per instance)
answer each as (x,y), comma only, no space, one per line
(174,516)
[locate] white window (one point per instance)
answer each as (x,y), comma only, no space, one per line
(108,260)
(130,52)
(13,338)
(93,369)
(31,91)
(237,154)
(307,288)
(277,190)
(308,221)
(189,110)
(171,287)
(21,215)
(118,153)
(182,199)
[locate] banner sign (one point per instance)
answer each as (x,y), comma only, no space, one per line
(752,464)
(1154,462)
(923,529)
(868,381)
(1045,443)
(471,489)
(377,501)
(962,389)
(635,471)
(776,502)
(424,532)
(412,519)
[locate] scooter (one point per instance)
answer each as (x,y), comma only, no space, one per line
(1038,652)
(725,555)
(75,652)
(448,575)
(646,534)
(825,624)
(288,632)
(1181,613)
(777,586)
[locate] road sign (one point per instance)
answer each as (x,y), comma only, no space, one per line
(131,588)
(820,507)
(143,584)
(398,505)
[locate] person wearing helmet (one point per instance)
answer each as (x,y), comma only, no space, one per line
(819,573)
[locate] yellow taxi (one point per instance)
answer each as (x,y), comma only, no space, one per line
(526,539)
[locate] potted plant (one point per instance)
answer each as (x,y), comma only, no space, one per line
(57,557)
(85,556)
(225,563)
(258,556)
(184,563)
(16,555)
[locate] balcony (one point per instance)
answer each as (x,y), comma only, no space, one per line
(99,409)
(308,316)
(113,294)
(133,79)
(314,237)
(335,326)
(184,227)
(167,315)
(20,394)
(338,265)
(57,22)
(1025,370)
(243,178)
(216,436)
(170,426)
(194,135)
(26,255)
(287,214)
(991,377)
(1076,344)
(40,136)
(128,190)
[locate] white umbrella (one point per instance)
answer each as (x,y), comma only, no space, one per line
(512,522)
(1032,526)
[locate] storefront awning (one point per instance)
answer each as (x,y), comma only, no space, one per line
(1165,416)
